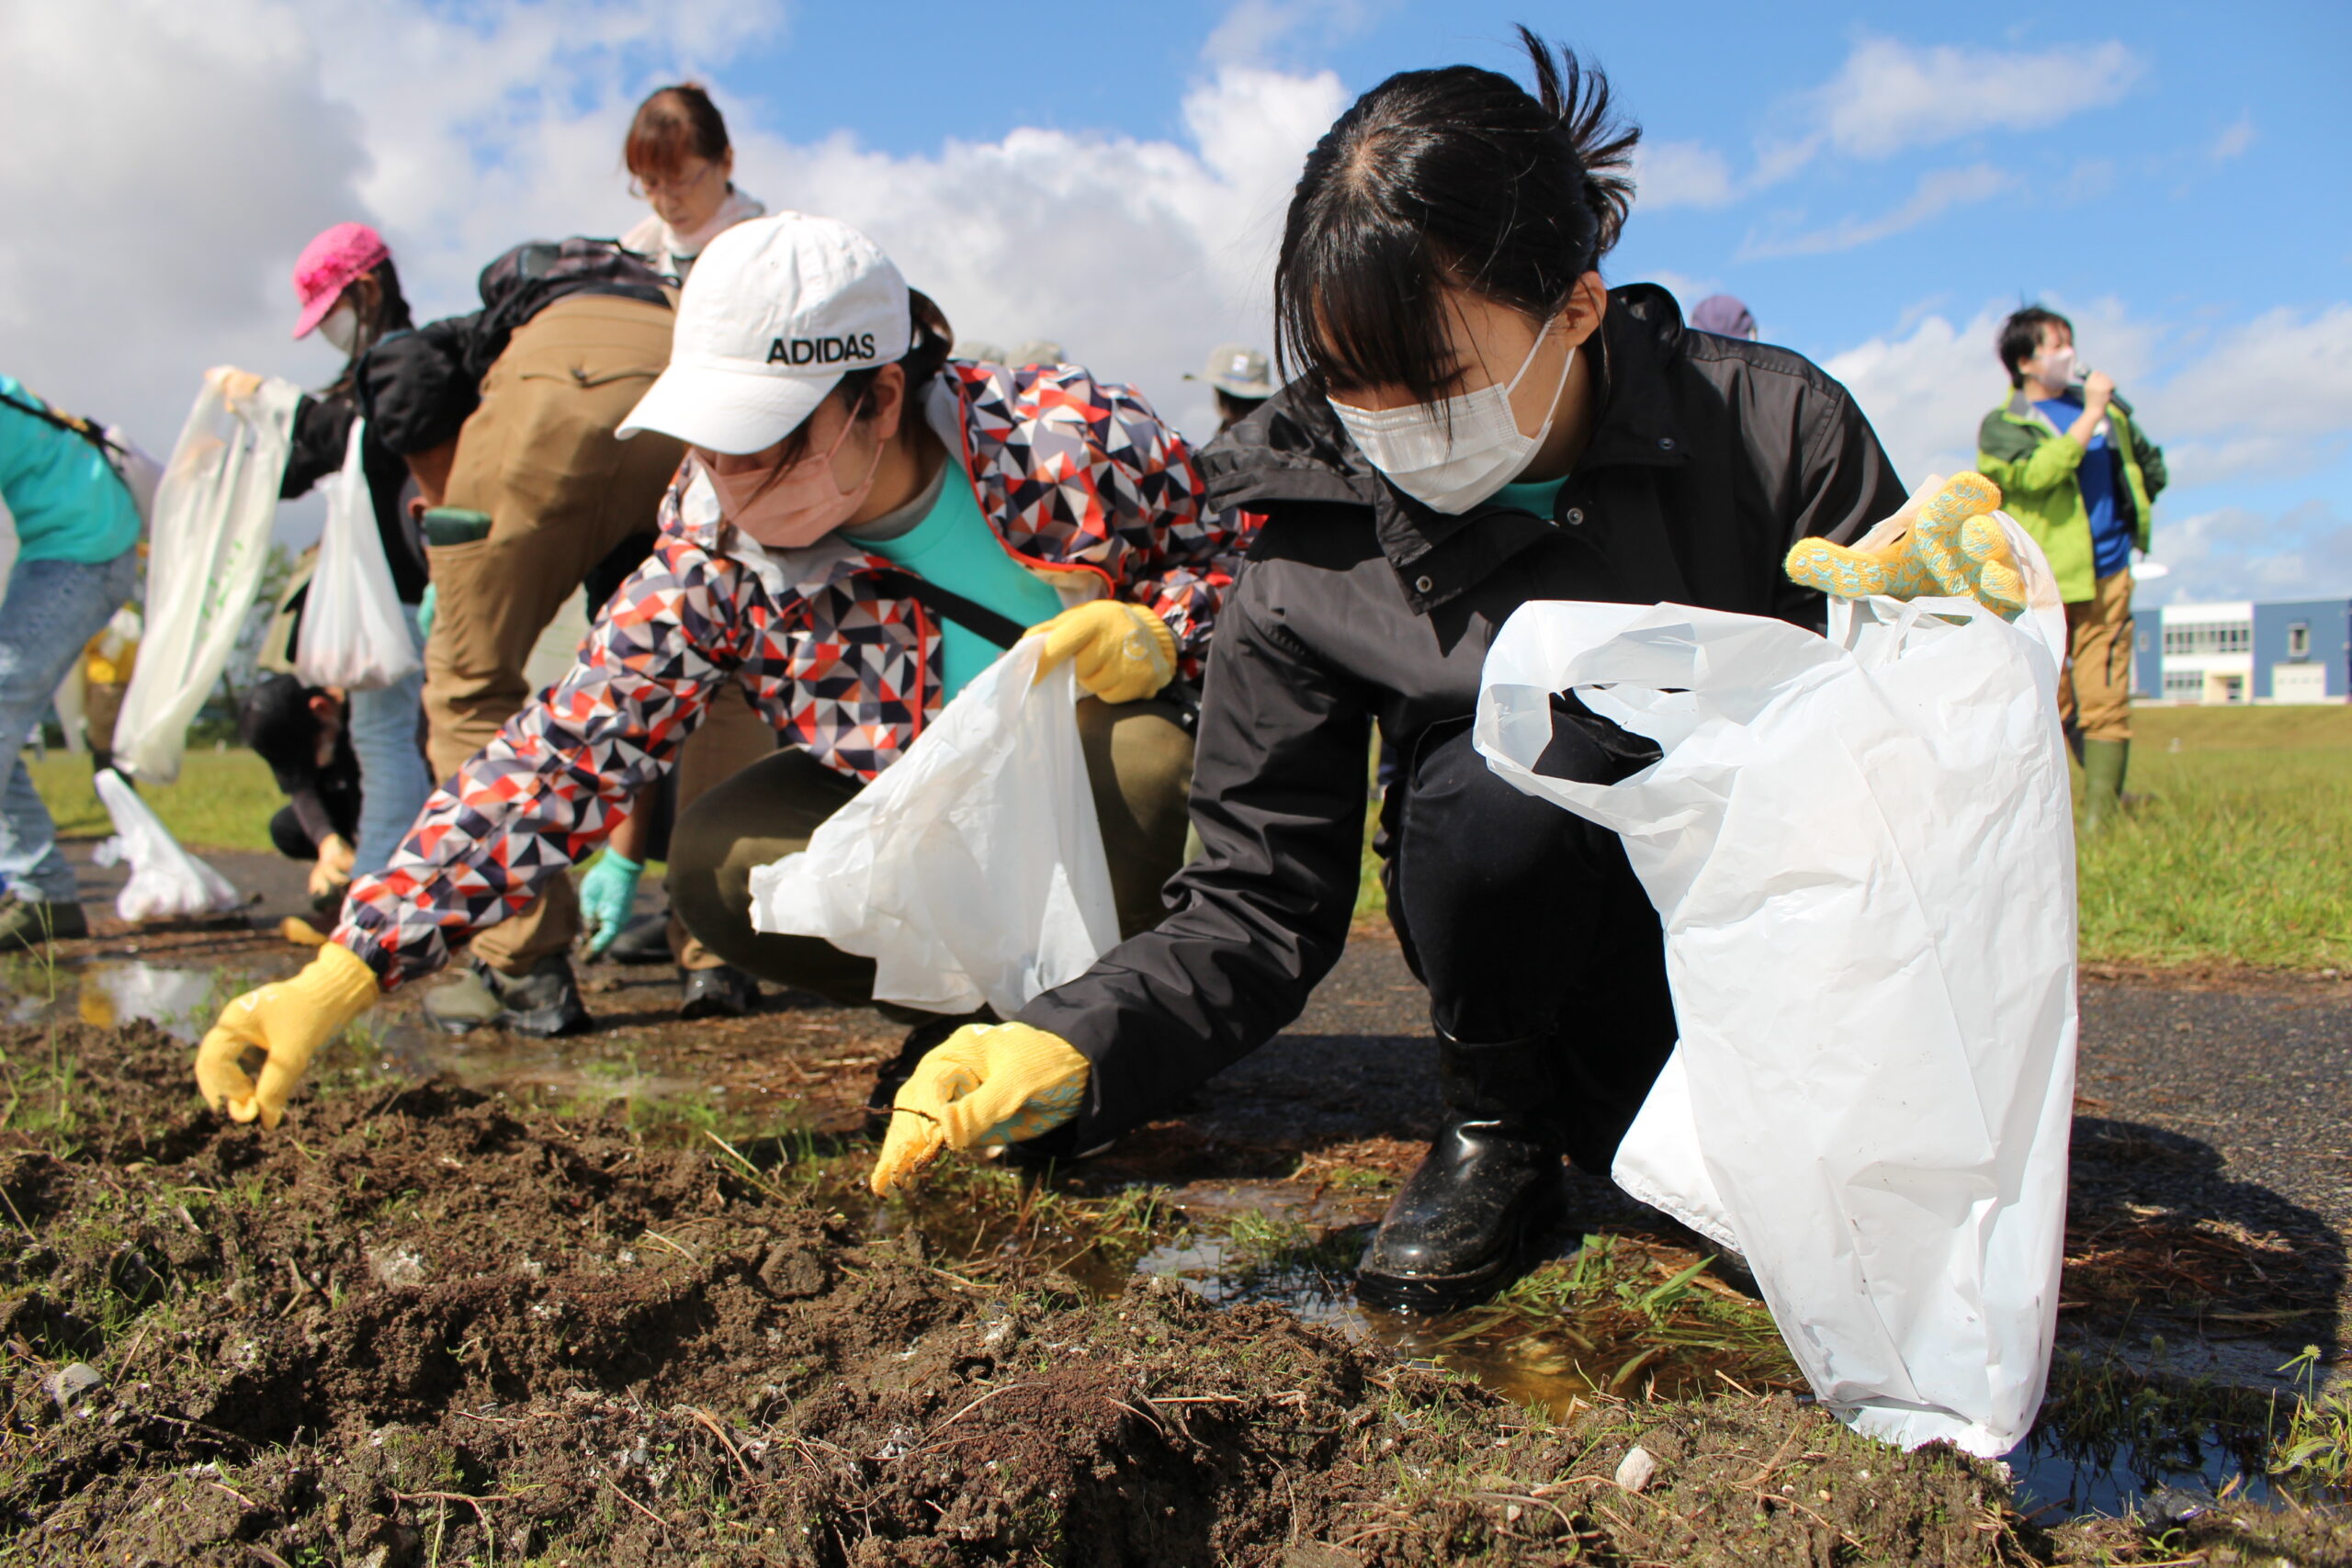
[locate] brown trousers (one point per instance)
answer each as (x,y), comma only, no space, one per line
(539,456)
(1138,760)
(2095,690)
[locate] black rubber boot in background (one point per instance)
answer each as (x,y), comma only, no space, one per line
(1491,1183)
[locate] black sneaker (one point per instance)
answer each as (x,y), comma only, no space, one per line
(31,924)
(723,992)
(543,1003)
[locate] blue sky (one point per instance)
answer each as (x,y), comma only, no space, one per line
(1880,183)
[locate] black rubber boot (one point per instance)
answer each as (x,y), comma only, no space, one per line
(542,1001)
(892,1074)
(723,992)
(1489,1185)
(645,940)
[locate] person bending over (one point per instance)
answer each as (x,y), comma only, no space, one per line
(862,526)
(1479,421)
(304,734)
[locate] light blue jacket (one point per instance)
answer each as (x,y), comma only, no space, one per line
(68,502)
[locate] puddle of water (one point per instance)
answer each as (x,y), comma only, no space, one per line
(2059,1479)
(591,1067)
(110,992)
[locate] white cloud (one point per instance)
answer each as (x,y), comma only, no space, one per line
(158,218)
(1682,174)
(2234,141)
(1892,96)
(2268,399)
(2236,552)
(1938,192)
(1253,31)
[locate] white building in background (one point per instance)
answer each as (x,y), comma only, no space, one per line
(2239,651)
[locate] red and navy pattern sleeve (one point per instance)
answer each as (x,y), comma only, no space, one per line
(561,775)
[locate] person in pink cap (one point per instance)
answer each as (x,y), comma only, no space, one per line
(347,291)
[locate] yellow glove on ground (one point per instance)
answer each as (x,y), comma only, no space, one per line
(288,1020)
(1945,540)
(987,1083)
(1124,651)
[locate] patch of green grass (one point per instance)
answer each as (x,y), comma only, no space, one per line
(2236,855)
(222,800)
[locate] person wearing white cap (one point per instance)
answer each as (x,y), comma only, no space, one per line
(862,524)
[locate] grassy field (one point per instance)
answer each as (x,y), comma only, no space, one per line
(2241,851)
(223,799)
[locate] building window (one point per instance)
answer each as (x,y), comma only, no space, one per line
(2298,640)
(2227,636)
(2184,686)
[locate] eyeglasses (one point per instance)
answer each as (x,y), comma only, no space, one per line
(644,186)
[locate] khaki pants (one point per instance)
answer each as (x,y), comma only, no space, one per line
(1138,760)
(2095,693)
(733,737)
(539,456)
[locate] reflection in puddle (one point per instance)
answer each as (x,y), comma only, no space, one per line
(108,993)
(590,1068)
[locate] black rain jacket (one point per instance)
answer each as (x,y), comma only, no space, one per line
(1710,457)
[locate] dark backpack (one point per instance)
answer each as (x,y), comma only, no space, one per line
(537,272)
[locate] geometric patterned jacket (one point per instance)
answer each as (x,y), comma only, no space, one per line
(1078,478)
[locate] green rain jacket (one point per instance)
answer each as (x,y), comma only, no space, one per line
(2034,464)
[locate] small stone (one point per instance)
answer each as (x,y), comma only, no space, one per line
(71,1382)
(398,1268)
(1637,1468)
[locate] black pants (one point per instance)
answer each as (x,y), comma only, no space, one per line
(1526,923)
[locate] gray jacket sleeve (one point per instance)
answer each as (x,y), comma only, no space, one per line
(1279,792)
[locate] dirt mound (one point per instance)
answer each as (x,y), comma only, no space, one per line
(418,1325)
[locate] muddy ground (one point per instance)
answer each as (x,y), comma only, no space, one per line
(512,1302)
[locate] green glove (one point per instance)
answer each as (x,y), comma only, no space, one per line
(607,895)
(424,609)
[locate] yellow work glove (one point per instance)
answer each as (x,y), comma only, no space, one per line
(1124,652)
(287,1021)
(987,1083)
(1945,540)
(237,386)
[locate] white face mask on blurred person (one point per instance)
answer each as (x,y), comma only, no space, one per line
(2056,368)
(341,326)
(1452,454)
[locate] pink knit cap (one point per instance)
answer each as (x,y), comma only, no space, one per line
(339,257)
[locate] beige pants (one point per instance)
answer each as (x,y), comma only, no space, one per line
(539,456)
(1138,760)
(733,736)
(2096,691)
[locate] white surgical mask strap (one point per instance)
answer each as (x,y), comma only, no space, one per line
(1543,335)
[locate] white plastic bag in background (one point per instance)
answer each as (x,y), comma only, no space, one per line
(165,880)
(971,871)
(354,633)
(1863,854)
(206,548)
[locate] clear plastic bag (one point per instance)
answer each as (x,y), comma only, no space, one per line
(355,634)
(166,882)
(1861,848)
(207,546)
(971,871)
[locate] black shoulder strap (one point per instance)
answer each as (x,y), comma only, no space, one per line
(85,429)
(978,619)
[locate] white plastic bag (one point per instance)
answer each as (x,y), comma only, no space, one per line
(206,549)
(1863,852)
(165,880)
(354,632)
(971,871)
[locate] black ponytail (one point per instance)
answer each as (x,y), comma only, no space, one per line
(1456,177)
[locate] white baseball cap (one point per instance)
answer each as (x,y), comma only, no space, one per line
(776,311)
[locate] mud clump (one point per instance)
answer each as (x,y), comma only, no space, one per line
(418,1325)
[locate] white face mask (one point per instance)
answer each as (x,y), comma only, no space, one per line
(341,326)
(2057,368)
(1454,453)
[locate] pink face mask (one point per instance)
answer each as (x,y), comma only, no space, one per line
(804,504)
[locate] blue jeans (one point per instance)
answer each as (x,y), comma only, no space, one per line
(52,609)
(393,780)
